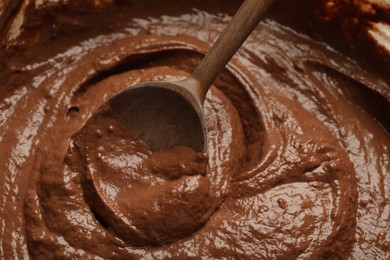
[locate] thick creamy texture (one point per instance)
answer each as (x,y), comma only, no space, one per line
(298,156)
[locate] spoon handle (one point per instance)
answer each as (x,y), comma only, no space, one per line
(234,35)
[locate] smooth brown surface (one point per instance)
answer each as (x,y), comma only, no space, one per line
(298,158)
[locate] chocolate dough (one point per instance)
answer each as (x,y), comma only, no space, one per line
(298,157)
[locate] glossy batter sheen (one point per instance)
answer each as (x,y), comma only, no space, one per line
(298,156)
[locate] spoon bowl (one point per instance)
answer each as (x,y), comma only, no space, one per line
(162,114)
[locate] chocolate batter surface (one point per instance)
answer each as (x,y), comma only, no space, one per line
(298,161)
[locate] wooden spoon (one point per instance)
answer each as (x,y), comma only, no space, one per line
(164,114)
